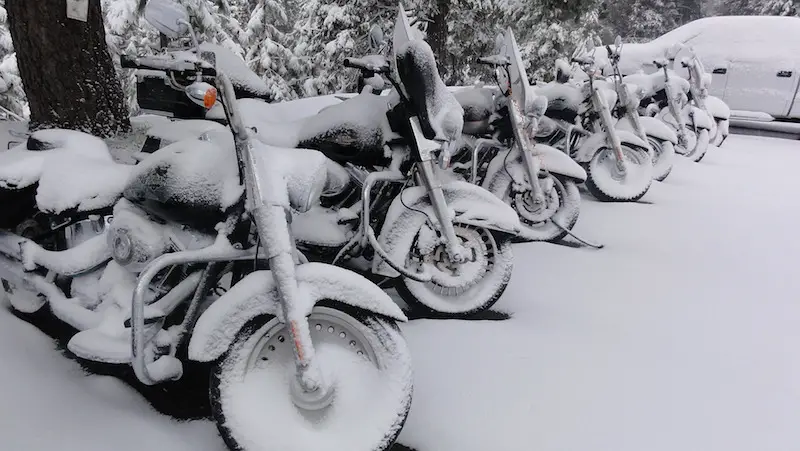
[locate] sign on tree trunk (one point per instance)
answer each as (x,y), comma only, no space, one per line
(78,10)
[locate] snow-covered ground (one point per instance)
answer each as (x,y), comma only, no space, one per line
(682,334)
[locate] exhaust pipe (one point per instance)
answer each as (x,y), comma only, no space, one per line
(66,309)
(77,260)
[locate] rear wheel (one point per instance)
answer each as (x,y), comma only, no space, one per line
(607,183)
(364,358)
(459,290)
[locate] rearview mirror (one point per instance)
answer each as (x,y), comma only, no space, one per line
(376,38)
(168,17)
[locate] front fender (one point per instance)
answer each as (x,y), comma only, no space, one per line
(717,108)
(658,129)
(598,141)
(257,294)
(471,204)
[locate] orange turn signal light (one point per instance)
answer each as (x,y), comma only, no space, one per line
(210,98)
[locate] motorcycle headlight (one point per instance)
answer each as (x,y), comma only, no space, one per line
(121,247)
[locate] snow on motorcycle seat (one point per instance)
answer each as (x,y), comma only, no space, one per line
(478,105)
(72,171)
(351,131)
(440,115)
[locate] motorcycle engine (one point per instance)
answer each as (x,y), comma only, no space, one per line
(137,238)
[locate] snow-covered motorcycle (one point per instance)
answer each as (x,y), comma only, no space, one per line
(290,344)
(659,137)
(393,212)
(667,99)
(499,153)
(699,81)
(618,163)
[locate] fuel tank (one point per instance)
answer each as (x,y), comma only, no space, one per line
(191,182)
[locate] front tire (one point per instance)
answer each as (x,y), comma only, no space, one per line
(364,356)
(663,158)
(478,284)
(608,184)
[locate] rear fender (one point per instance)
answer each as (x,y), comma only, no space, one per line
(471,204)
(717,108)
(257,294)
(598,141)
(659,130)
(553,160)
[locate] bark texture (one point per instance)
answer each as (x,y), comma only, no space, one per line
(66,70)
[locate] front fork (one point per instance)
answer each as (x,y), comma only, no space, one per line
(607,122)
(526,148)
(427,172)
(673,110)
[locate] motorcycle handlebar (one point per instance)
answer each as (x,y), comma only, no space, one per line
(494,60)
(134,63)
(364,66)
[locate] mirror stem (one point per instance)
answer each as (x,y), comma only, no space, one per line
(191,33)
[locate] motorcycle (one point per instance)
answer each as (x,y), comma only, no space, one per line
(393,212)
(291,344)
(499,153)
(714,107)
(659,137)
(618,163)
(667,99)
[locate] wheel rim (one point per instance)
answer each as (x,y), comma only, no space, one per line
(691,143)
(453,279)
(612,182)
(261,414)
(531,214)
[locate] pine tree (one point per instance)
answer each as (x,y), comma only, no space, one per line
(653,18)
(13,97)
(265,52)
(549,29)
(781,8)
(326,32)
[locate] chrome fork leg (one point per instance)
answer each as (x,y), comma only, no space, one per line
(456,251)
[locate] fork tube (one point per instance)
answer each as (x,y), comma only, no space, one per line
(608,123)
(436,194)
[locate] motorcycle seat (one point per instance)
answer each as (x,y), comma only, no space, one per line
(478,103)
(440,115)
(351,131)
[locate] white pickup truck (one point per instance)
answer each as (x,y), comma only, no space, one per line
(755,61)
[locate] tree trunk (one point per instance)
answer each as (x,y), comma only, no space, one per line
(437,36)
(66,70)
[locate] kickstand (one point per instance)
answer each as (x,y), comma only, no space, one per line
(582,241)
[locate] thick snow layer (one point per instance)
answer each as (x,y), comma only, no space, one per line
(679,335)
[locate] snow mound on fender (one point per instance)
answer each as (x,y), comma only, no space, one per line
(20,167)
(87,184)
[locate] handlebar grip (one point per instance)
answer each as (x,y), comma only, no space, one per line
(349,63)
(484,60)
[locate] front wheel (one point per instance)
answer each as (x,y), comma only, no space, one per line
(459,290)
(663,157)
(365,359)
(607,183)
(562,205)
(701,147)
